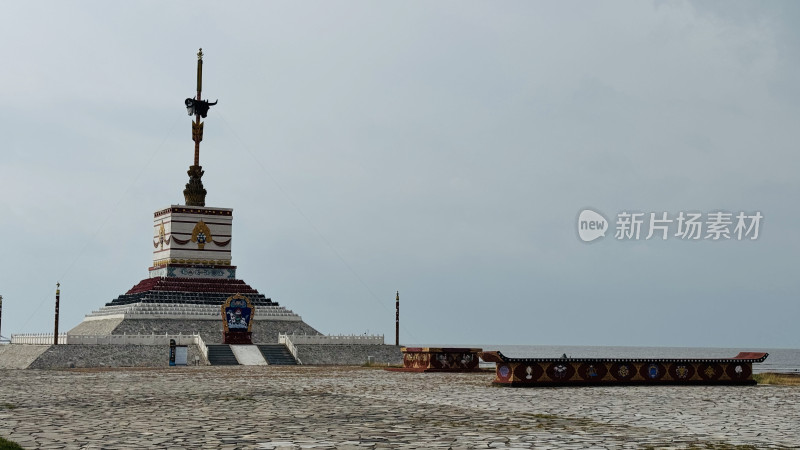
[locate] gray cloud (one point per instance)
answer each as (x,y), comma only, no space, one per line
(440,149)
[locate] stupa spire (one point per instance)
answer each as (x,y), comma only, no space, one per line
(195,194)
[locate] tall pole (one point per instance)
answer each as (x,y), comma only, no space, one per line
(58,295)
(397,320)
(195,193)
(198,98)
(1,313)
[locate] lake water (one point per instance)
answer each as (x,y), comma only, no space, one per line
(783,360)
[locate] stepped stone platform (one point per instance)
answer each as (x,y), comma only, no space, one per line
(264,331)
(175,305)
(189,305)
(102,327)
(189,290)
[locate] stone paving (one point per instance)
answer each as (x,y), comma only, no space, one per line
(356,408)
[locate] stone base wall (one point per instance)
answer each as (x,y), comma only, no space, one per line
(96,327)
(19,356)
(264,331)
(348,355)
(69,356)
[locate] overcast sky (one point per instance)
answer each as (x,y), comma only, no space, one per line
(442,149)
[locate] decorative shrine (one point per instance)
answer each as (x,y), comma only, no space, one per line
(192,242)
(191,275)
(237,315)
(426,359)
(533,372)
(193,234)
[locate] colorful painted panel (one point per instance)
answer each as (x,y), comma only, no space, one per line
(587,372)
(237,313)
(419,359)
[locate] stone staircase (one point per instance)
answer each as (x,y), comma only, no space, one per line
(221,355)
(275,354)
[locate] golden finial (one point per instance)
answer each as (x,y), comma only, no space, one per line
(58,288)
(200,54)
